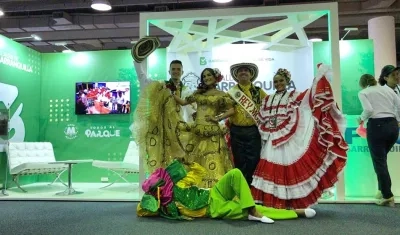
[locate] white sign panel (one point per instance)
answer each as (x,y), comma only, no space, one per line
(299,63)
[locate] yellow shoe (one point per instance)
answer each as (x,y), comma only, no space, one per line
(379,195)
(386,202)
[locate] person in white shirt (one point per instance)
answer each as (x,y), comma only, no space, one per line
(381,108)
(390,76)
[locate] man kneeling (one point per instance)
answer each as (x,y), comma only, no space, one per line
(172,193)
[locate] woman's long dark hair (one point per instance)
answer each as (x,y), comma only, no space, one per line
(202,87)
(382,80)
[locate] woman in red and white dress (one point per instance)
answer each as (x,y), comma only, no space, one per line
(303,146)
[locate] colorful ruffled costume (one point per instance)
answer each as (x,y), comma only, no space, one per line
(171,193)
(303,150)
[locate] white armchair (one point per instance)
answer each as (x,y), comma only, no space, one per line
(32,158)
(130,164)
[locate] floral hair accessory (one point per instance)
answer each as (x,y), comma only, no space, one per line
(285,73)
(218,75)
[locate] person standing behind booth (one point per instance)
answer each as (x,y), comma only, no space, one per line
(381,108)
(244,138)
(390,76)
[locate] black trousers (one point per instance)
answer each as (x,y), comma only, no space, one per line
(246,149)
(382,134)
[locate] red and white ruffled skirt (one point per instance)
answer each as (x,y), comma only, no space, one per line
(295,174)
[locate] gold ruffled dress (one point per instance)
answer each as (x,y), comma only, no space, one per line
(206,144)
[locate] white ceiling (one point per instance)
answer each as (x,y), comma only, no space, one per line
(83,29)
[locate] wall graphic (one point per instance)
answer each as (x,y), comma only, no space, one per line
(356,59)
(20,72)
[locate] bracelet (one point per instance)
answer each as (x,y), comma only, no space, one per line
(219,117)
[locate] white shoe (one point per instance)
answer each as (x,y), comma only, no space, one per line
(263,219)
(310,213)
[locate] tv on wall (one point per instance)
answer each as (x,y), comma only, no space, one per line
(101,98)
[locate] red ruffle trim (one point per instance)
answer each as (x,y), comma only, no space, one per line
(327,181)
(300,171)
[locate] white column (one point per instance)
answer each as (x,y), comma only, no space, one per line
(382,31)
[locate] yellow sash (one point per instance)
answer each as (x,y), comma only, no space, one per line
(245,102)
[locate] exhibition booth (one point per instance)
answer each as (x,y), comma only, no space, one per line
(78,107)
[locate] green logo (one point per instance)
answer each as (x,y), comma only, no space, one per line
(71,131)
(203,61)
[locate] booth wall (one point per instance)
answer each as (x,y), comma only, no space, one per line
(360,178)
(72,135)
(356,59)
(20,92)
(46,95)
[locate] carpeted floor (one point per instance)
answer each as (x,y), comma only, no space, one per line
(119,218)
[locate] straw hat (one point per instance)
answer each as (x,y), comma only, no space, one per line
(144,47)
(252,67)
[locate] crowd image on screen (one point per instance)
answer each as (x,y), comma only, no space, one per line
(101,98)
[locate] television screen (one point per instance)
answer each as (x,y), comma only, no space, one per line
(92,98)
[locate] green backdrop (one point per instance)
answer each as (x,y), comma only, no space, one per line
(69,132)
(356,59)
(47,94)
(20,85)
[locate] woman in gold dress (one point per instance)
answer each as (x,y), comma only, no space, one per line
(206,144)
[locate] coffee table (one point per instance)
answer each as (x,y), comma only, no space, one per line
(70,190)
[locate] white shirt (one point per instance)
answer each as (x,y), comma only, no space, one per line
(396,90)
(379,102)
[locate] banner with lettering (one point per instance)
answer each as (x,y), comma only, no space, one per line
(298,62)
(360,177)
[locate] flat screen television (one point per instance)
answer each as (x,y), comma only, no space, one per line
(102,98)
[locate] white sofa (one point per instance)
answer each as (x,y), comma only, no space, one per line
(32,158)
(130,164)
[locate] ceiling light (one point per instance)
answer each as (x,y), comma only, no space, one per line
(64,44)
(315,40)
(67,51)
(351,29)
(348,31)
(101,5)
(222,1)
(1,13)
(36,37)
